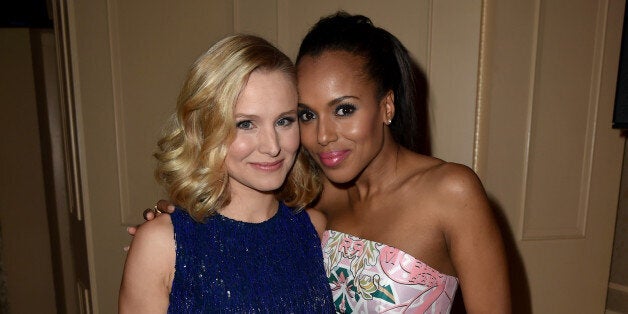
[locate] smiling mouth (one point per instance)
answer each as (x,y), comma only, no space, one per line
(334,158)
(268,166)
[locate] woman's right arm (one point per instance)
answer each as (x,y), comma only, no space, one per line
(149,268)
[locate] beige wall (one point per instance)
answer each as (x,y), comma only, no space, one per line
(25,235)
(120,63)
(129,64)
(539,59)
(548,156)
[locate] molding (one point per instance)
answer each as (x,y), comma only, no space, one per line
(618,287)
(70,94)
(119,121)
(534,65)
(76,171)
(481,106)
(579,229)
(428,53)
(453,43)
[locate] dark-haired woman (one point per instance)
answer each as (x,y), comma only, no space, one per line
(403,229)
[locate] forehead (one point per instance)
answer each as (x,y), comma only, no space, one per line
(267,89)
(338,60)
(333,74)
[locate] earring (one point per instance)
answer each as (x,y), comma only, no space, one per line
(388,122)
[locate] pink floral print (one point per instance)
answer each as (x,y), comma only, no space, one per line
(371,277)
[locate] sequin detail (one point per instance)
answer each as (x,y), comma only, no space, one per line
(229,266)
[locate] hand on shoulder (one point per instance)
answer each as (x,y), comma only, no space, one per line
(162,207)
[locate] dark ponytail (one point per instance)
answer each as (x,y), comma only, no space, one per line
(387,62)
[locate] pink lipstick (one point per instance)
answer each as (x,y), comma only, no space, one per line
(333,158)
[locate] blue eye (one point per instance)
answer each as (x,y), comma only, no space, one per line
(286,121)
(245,125)
(306,115)
(345,110)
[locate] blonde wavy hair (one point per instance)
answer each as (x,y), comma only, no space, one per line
(191,154)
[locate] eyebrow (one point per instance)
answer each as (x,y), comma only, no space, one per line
(333,101)
(253,116)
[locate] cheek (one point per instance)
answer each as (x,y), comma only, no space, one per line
(241,147)
(290,140)
(359,130)
(308,136)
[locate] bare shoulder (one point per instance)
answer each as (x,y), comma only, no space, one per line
(440,178)
(318,220)
(154,240)
(454,180)
(159,229)
(450,191)
(149,268)
(473,236)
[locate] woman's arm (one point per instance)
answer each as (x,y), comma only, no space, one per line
(149,268)
(475,242)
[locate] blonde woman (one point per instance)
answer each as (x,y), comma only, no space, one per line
(228,159)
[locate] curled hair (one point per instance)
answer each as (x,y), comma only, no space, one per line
(387,62)
(191,154)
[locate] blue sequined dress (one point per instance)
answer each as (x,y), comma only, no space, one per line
(229,266)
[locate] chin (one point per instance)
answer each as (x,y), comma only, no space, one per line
(267,186)
(338,176)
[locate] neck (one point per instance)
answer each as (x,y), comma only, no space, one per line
(380,172)
(250,205)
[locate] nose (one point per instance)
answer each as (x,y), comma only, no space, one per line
(326,132)
(269,143)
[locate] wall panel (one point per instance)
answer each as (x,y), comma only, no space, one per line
(563,113)
(152,46)
(130,59)
(549,158)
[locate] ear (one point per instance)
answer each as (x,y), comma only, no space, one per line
(388,103)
